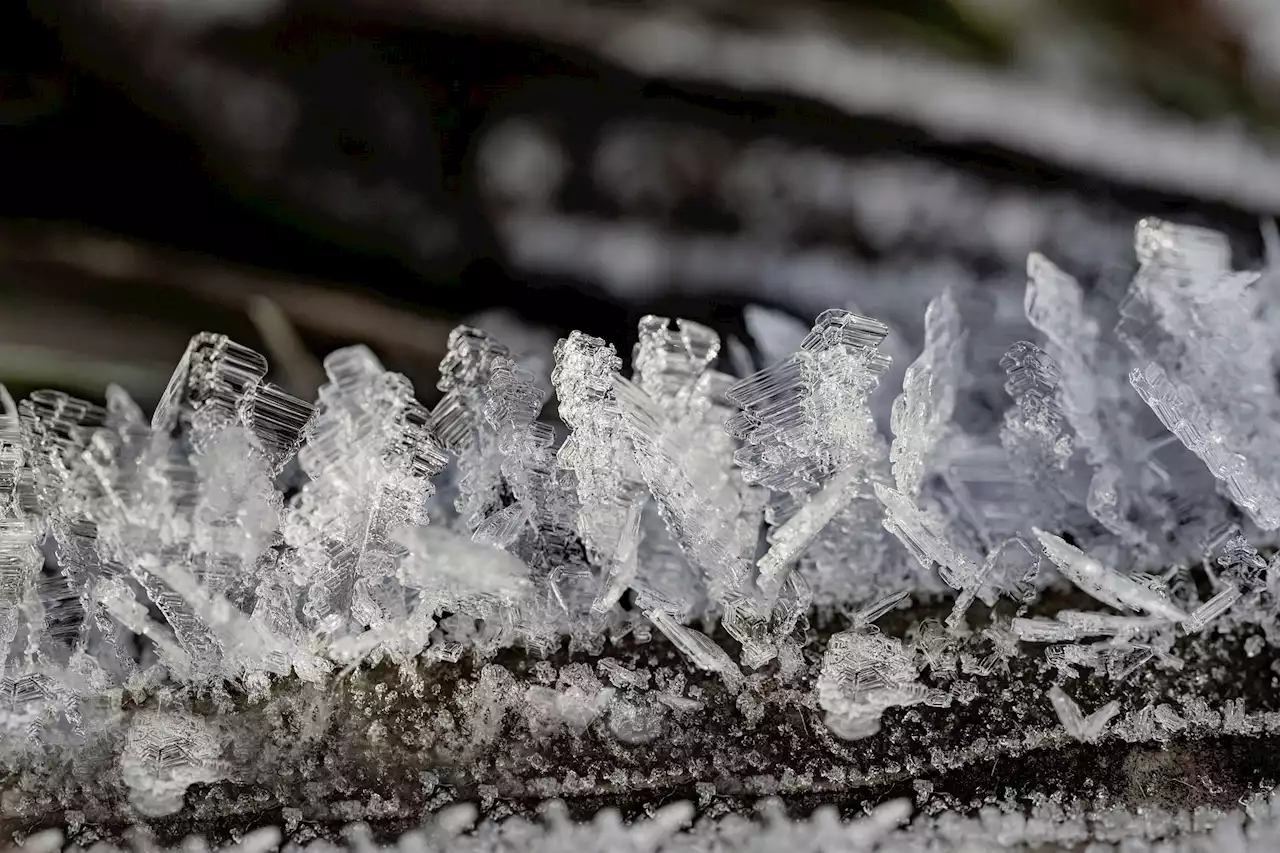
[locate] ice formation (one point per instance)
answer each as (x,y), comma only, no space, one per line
(242,539)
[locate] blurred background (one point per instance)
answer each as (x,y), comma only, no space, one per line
(305,174)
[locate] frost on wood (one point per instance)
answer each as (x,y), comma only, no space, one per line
(241,542)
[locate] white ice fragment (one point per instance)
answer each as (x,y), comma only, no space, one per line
(277,419)
(456,572)
(637,721)
(43,841)
(1243,571)
(574,708)
(680,704)
(1093,402)
(164,754)
(265,839)
(620,676)
(1089,624)
(922,412)
(862,675)
(1087,729)
(1103,583)
(790,539)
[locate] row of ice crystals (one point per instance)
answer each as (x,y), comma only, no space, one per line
(243,534)
(670,828)
(1253,827)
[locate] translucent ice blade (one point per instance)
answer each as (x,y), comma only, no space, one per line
(1211,609)
(1179,410)
(791,539)
(503,527)
(923,410)
(1042,630)
(1055,306)
(698,647)
(1089,624)
(912,527)
(1104,583)
(873,611)
(621,571)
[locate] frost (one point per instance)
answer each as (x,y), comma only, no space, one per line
(699,648)
(920,533)
(1243,573)
(1105,584)
(241,540)
(1034,433)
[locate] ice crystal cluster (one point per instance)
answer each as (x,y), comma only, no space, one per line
(241,537)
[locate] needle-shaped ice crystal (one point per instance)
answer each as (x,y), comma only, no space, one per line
(1103,583)
(917,531)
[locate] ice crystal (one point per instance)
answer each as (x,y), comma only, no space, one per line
(928,398)
(863,674)
(164,754)
(1086,728)
(1183,319)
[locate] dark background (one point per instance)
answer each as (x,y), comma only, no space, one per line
(304,174)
